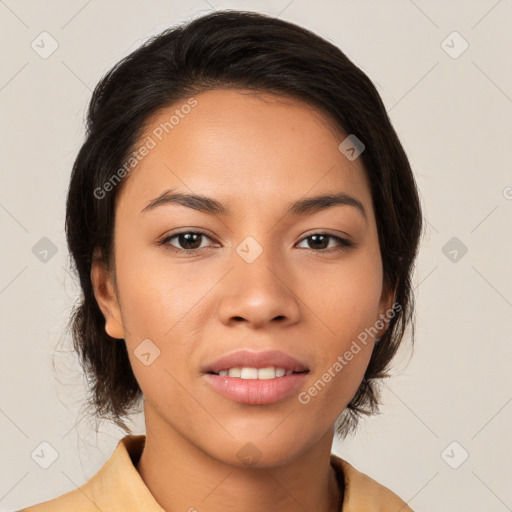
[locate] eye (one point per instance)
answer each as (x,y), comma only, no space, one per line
(319,240)
(190,241)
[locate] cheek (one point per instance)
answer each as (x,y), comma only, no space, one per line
(348,307)
(344,298)
(155,292)
(335,383)
(163,302)
(156,302)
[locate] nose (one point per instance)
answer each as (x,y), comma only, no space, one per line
(258,293)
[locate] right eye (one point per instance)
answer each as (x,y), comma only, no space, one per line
(189,240)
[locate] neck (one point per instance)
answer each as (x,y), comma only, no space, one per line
(181,476)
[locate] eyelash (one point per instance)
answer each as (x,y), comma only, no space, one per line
(344,244)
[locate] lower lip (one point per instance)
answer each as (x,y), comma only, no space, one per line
(256,391)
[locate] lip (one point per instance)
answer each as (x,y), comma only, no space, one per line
(255,391)
(247,359)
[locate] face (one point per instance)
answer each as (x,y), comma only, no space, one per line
(193,285)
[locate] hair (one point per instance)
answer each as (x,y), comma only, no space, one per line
(242,50)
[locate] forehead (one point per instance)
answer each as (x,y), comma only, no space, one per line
(243,147)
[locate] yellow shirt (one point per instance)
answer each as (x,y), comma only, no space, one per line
(118,487)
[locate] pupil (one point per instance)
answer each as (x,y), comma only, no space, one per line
(315,238)
(188,237)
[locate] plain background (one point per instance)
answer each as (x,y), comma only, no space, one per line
(452,108)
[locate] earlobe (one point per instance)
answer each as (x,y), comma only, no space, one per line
(106,297)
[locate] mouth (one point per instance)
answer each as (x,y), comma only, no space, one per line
(256,378)
(249,373)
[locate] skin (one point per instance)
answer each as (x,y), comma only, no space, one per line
(255,154)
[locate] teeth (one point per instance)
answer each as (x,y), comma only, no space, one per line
(250,373)
(255,373)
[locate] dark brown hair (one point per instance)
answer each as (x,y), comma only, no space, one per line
(232,49)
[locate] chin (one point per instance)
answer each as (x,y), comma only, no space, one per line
(262,451)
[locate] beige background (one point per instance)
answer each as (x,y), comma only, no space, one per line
(454,116)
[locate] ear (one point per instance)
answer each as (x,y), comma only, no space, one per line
(387,310)
(106,296)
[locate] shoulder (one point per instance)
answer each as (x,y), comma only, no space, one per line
(364,493)
(116,486)
(72,500)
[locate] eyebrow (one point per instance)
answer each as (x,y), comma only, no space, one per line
(208,205)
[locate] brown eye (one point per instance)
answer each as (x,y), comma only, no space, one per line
(191,241)
(188,241)
(320,242)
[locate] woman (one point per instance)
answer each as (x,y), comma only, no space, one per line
(244,222)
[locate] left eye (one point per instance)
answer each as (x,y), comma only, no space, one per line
(190,241)
(318,239)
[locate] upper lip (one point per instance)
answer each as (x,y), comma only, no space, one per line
(247,359)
